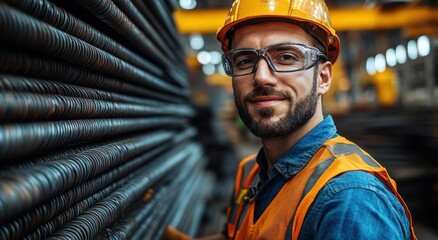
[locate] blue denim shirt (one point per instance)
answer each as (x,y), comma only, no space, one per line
(355,205)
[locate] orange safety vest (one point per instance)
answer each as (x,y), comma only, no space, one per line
(284,216)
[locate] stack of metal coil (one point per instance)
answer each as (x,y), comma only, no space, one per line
(95,135)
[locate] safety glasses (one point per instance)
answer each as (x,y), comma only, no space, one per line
(283,57)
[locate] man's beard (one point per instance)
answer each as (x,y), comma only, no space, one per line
(293,120)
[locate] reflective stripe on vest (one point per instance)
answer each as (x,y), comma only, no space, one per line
(335,157)
(246,177)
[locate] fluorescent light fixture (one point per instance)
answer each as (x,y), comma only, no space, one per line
(423,46)
(370,66)
(187,4)
(216,57)
(400,54)
(380,63)
(204,57)
(412,50)
(391,60)
(208,69)
(196,41)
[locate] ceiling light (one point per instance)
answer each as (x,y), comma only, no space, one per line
(380,63)
(400,54)
(204,57)
(216,57)
(412,50)
(370,66)
(208,69)
(391,60)
(196,41)
(423,46)
(187,4)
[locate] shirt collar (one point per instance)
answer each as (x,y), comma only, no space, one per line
(300,154)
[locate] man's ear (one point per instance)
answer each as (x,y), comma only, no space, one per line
(325,77)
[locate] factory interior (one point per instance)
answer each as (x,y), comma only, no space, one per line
(117,118)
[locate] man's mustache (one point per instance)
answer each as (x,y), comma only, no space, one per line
(266,92)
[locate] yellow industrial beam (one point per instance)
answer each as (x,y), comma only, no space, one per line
(375,19)
(208,21)
(199,21)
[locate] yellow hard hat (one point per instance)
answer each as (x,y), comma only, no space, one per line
(311,15)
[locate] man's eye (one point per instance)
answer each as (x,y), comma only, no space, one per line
(287,58)
(244,62)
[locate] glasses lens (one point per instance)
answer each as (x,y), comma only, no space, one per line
(242,61)
(287,57)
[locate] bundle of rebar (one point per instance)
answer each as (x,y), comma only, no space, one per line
(96,140)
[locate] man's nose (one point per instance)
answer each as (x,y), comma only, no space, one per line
(263,75)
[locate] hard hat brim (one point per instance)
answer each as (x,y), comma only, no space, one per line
(332,42)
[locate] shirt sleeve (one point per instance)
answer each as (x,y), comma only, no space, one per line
(355,205)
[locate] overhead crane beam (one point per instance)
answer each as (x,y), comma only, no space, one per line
(343,19)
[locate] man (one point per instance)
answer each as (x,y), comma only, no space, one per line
(306,182)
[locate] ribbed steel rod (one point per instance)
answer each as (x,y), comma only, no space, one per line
(63,20)
(47,229)
(194,208)
(141,6)
(125,170)
(21,30)
(26,161)
(190,209)
(110,14)
(131,11)
(101,215)
(159,223)
(16,83)
(22,139)
(183,200)
(23,189)
(179,76)
(18,62)
(171,4)
(10,232)
(48,211)
(163,16)
(189,132)
(186,207)
(150,223)
(36,107)
(168,9)
(125,227)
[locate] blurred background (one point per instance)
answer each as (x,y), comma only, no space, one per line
(116,117)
